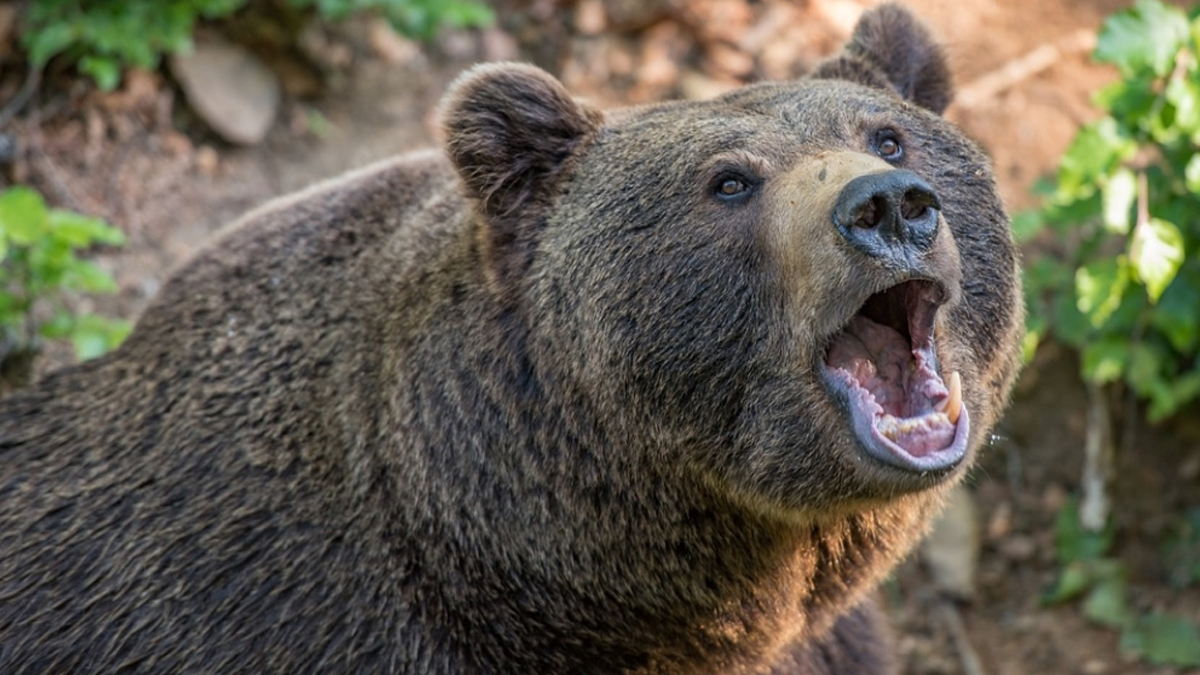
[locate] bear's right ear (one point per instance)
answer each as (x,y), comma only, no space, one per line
(510,130)
(892,49)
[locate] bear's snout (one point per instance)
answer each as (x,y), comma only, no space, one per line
(891,215)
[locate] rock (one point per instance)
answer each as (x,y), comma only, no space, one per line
(720,21)
(207,160)
(318,45)
(633,14)
(841,15)
(8,149)
(697,87)
(590,17)
(1054,498)
(1018,548)
(231,90)
(730,61)
(1000,525)
(659,66)
(497,45)
(460,45)
(390,45)
(175,144)
(951,550)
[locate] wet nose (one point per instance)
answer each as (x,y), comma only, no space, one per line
(893,214)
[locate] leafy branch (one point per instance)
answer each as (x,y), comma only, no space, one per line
(1127,290)
(104,37)
(39,269)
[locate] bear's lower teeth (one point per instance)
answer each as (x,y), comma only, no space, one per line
(892,427)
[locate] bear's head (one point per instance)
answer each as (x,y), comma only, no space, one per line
(806,291)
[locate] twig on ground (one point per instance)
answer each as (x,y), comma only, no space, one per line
(1097,462)
(971,663)
(32,80)
(1022,68)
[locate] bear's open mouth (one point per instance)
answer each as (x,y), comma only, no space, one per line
(884,365)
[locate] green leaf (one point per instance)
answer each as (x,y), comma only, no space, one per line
(89,345)
(468,14)
(1066,212)
(1035,328)
(58,327)
(1072,541)
(1175,315)
(85,276)
(1106,360)
(1029,345)
(105,71)
(1099,286)
(1167,398)
(422,19)
(1183,549)
(1048,274)
(1027,224)
(1073,581)
(1130,99)
(1094,152)
(1070,325)
(1146,366)
(1183,93)
(1156,253)
(1164,639)
(1106,603)
(47,43)
(80,231)
(214,9)
(23,218)
(1192,174)
(1186,388)
(1117,197)
(1143,37)
(93,336)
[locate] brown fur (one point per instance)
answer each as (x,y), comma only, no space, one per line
(542,404)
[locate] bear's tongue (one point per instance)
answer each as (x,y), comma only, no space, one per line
(896,384)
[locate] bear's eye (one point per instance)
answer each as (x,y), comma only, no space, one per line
(732,187)
(888,147)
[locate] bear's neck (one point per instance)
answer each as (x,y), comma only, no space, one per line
(675,582)
(548,542)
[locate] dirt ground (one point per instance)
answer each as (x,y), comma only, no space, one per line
(142,160)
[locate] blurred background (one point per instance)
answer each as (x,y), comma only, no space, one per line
(131,131)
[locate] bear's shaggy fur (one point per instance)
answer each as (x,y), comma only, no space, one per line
(561,398)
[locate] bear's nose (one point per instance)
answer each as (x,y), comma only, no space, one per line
(890,215)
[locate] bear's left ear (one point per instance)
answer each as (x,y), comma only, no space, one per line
(510,130)
(892,49)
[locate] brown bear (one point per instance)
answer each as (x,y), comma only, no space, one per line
(662,390)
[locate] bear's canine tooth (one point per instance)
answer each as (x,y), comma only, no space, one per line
(952,406)
(953,399)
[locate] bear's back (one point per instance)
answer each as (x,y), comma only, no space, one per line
(167,506)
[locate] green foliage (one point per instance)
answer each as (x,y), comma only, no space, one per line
(1163,639)
(1182,553)
(103,37)
(1088,572)
(1124,200)
(38,267)
(420,19)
